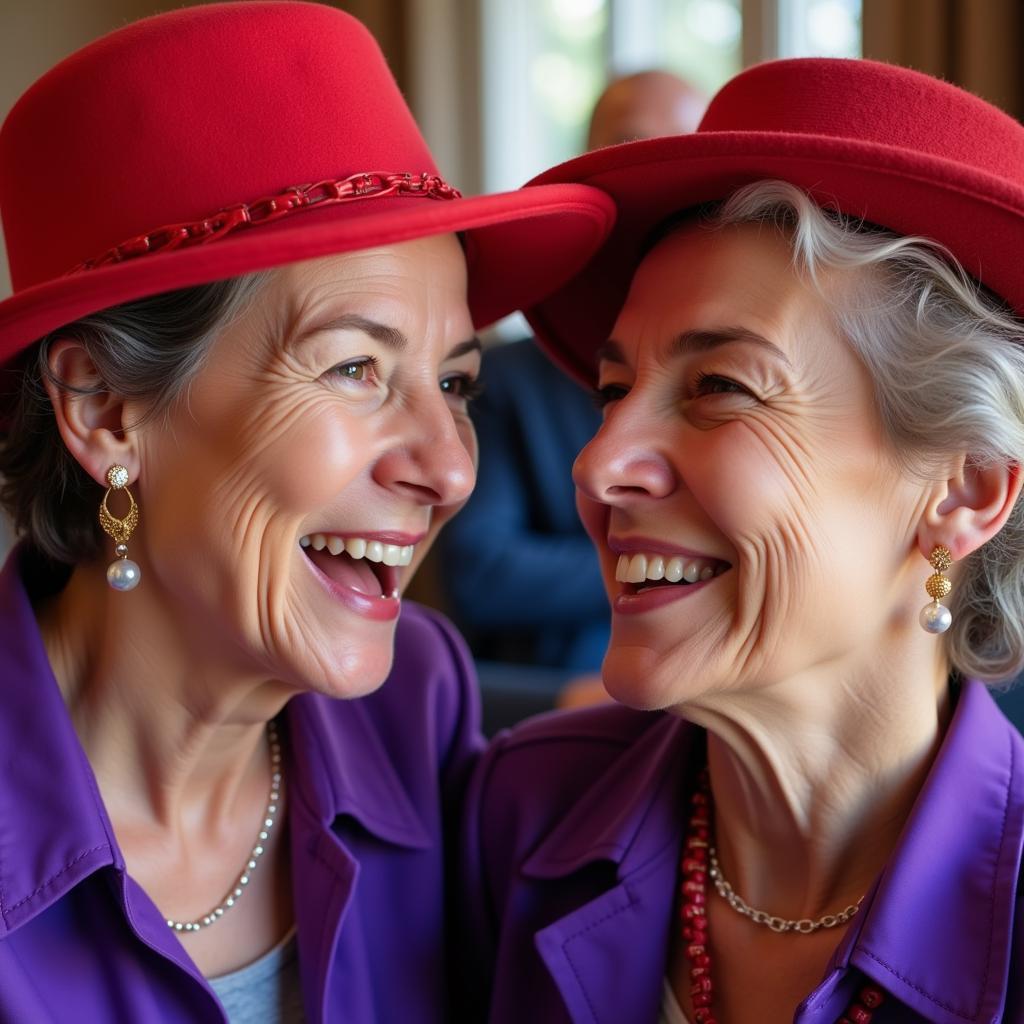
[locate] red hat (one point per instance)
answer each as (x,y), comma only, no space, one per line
(222,139)
(892,146)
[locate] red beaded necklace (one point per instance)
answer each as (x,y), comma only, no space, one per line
(693,870)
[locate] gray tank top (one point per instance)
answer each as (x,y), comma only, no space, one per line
(267,991)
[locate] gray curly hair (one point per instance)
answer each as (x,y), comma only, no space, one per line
(947,360)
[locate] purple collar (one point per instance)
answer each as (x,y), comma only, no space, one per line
(54,829)
(936,931)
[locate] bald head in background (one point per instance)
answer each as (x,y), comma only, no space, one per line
(644,106)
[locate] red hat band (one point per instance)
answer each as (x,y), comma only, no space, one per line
(356,188)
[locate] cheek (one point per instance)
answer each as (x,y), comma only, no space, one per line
(306,466)
(742,482)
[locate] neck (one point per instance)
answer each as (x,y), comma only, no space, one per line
(813,777)
(175,737)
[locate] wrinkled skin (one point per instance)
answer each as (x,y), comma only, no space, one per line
(823,699)
(291,427)
(772,461)
(289,431)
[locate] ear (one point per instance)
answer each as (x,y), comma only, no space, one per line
(93,426)
(970,507)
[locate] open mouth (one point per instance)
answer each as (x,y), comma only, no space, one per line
(369,567)
(639,572)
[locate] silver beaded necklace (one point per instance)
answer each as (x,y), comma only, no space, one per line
(270,814)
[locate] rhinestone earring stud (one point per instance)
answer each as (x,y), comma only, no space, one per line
(122,573)
(935,617)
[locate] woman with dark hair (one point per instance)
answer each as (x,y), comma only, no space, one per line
(238,359)
(806,335)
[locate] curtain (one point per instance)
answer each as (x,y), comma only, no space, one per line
(976,44)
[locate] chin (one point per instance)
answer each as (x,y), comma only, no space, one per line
(356,672)
(649,680)
(630,675)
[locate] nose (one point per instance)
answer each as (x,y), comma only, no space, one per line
(432,458)
(623,463)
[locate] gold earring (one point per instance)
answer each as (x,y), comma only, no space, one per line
(122,573)
(935,617)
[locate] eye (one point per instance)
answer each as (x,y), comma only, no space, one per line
(462,385)
(604,396)
(714,384)
(359,370)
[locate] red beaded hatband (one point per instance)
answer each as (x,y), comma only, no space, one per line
(355,187)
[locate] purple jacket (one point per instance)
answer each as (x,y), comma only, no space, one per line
(375,787)
(573,833)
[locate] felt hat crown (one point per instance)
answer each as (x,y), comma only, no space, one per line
(892,146)
(217,140)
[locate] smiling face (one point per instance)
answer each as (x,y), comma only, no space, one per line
(741,449)
(322,446)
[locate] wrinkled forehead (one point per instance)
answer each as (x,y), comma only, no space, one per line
(416,288)
(701,277)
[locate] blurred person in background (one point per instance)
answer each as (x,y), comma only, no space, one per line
(519,572)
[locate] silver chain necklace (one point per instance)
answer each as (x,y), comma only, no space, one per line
(805,926)
(238,888)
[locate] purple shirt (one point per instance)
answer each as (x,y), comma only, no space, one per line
(375,787)
(572,840)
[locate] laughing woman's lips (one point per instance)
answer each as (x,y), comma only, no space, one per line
(654,575)
(363,573)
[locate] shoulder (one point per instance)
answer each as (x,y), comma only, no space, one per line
(533,775)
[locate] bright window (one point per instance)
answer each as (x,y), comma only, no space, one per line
(545,62)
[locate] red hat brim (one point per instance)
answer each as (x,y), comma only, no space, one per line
(978,216)
(519,245)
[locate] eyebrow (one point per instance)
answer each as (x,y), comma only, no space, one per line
(389,337)
(469,345)
(697,341)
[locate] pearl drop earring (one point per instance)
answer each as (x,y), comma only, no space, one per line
(935,617)
(122,573)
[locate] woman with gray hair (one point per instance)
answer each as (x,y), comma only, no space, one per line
(805,495)
(238,360)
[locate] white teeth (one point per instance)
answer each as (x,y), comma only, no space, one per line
(358,547)
(637,569)
(640,567)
